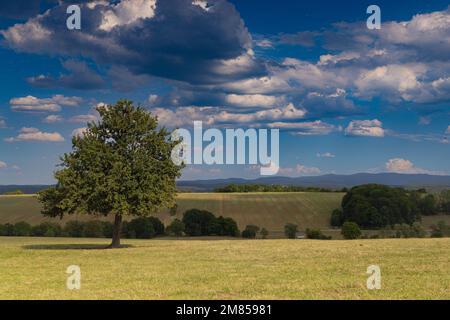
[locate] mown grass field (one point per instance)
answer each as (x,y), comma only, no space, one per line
(34,268)
(269,210)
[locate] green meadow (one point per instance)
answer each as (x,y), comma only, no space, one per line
(35,268)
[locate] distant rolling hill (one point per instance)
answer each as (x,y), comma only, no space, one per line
(328,181)
(332,181)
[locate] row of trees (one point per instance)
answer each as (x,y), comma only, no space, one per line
(140,228)
(270,188)
(374,206)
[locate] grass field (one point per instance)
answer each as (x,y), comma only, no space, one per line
(269,210)
(34,268)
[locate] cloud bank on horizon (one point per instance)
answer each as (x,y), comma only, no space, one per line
(333,91)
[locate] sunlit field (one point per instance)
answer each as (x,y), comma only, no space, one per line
(35,268)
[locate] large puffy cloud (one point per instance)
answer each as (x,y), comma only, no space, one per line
(400,165)
(34,134)
(53,104)
(366,128)
(185,116)
(171,39)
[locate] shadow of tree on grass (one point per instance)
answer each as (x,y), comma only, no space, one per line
(77,246)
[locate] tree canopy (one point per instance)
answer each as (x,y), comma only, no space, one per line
(121,165)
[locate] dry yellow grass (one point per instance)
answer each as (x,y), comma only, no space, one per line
(34,268)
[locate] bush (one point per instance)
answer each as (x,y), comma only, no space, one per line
(176,228)
(264,233)
(46,229)
(141,228)
(7,230)
(290,230)
(158,226)
(337,217)
(173,211)
(226,227)
(199,222)
(93,229)
(350,230)
(22,229)
(250,232)
(376,206)
(74,229)
(428,205)
(441,229)
(316,234)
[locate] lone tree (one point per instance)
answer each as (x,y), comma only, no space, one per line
(120,166)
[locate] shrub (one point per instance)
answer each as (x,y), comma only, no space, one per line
(108,228)
(428,205)
(264,233)
(93,229)
(375,206)
(316,234)
(74,229)
(22,229)
(46,229)
(441,229)
(199,222)
(7,230)
(176,228)
(141,228)
(337,218)
(173,211)
(350,230)
(226,227)
(158,226)
(250,232)
(290,230)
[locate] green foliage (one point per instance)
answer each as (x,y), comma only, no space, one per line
(226,227)
(428,205)
(7,230)
(375,206)
(337,218)
(46,229)
(264,233)
(93,229)
(409,231)
(268,188)
(14,192)
(440,230)
(22,229)
(350,230)
(290,230)
(74,229)
(173,210)
(316,234)
(121,165)
(250,232)
(176,228)
(444,201)
(141,228)
(204,223)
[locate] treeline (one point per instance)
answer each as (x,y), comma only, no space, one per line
(271,188)
(140,228)
(374,206)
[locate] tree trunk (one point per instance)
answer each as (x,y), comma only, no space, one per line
(116,232)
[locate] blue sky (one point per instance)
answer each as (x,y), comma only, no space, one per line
(348,99)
